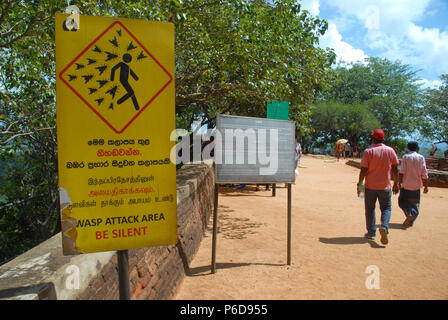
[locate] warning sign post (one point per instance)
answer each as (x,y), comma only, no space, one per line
(115,114)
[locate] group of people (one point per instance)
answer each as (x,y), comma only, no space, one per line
(345,150)
(378,163)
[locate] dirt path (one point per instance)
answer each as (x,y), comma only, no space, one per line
(329,254)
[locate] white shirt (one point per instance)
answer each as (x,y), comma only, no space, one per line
(413,168)
(298,150)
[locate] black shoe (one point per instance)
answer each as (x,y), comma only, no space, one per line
(369,236)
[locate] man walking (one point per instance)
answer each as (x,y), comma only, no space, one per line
(298,154)
(378,161)
(347,150)
(413,175)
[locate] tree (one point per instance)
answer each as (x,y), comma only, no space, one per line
(232,56)
(334,120)
(28,192)
(389,89)
(435,111)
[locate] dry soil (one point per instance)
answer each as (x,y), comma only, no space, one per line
(330,257)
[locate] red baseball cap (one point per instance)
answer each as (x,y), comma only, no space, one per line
(378,134)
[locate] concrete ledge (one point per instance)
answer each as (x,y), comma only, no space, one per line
(44,273)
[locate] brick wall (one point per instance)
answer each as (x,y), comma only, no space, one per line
(154,272)
(437,171)
(437,164)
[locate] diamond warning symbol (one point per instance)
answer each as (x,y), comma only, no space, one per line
(116,77)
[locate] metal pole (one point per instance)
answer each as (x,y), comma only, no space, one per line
(289,224)
(123,275)
(215,228)
(274,189)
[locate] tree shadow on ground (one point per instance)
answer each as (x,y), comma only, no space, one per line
(206,270)
(230,227)
(248,190)
(350,240)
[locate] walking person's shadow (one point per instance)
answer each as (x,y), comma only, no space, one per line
(350,240)
(360,240)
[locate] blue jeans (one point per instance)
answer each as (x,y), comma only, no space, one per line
(384,198)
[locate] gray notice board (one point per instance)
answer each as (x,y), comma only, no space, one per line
(254,150)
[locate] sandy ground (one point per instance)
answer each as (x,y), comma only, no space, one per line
(330,257)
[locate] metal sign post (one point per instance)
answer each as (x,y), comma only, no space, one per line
(123,275)
(215,228)
(289,225)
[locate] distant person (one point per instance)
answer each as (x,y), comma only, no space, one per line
(298,155)
(355,151)
(338,150)
(412,177)
(377,164)
(433,151)
(347,149)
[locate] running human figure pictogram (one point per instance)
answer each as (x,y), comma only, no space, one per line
(125,71)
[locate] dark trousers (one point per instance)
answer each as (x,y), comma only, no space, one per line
(409,202)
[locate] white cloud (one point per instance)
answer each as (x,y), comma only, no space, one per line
(311,5)
(391,16)
(344,51)
(434,84)
(432,46)
(391,29)
(333,38)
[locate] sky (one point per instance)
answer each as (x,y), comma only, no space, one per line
(414,32)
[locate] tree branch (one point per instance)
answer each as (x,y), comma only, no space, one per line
(26,33)
(16,135)
(5,11)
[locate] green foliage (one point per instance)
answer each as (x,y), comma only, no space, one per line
(232,57)
(435,111)
(389,89)
(335,120)
(28,205)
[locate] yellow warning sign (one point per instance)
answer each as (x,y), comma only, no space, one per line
(116,76)
(115,114)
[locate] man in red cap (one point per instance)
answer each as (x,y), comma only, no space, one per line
(378,161)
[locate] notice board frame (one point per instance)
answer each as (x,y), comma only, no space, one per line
(259,120)
(216,196)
